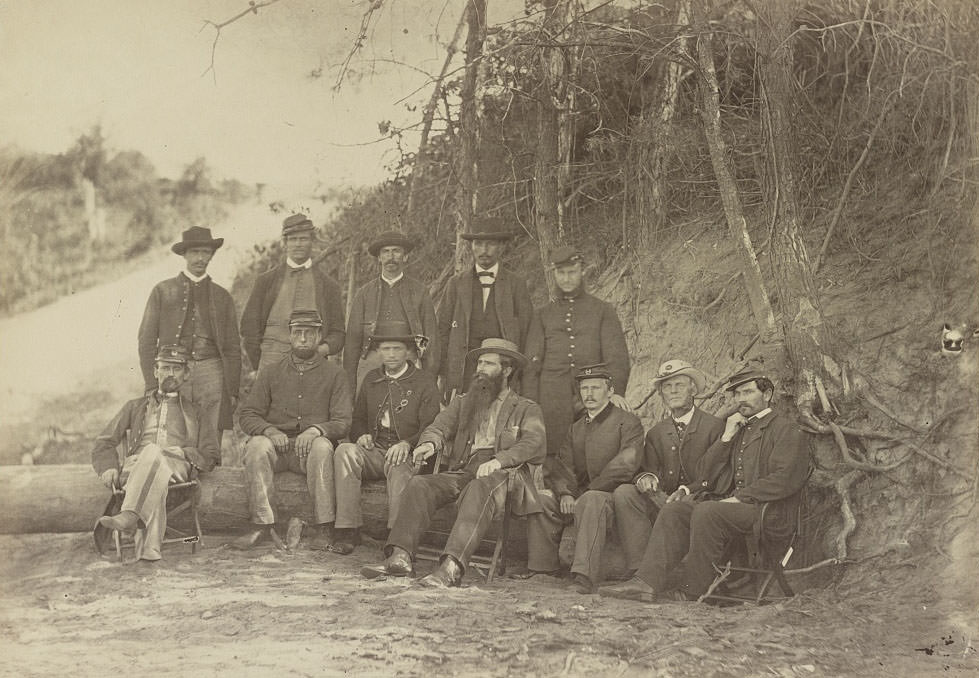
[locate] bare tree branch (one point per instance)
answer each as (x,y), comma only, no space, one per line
(253,8)
(365,24)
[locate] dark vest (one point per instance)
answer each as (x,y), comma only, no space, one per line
(389,305)
(483,324)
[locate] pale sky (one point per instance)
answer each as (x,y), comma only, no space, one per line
(136,65)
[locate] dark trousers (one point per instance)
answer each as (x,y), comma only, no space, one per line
(698,531)
(478,500)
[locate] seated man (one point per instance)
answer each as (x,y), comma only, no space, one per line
(600,453)
(761,457)
(673,450)
(488,431)
(168,442)
(395,402)
(296,407)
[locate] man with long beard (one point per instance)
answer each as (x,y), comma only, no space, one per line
(490,432)
(296,411)
(168,441)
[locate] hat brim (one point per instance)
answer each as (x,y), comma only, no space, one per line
(375,247)
(183,246)
(519,358)
(492,235)
(699,378)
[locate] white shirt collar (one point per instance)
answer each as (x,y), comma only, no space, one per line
(399,374)
(764,413)
(193,277)
(306,264)
(391,281)
(494,269)
(686,418)
(593,417)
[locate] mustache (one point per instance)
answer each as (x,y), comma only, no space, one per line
(169,385)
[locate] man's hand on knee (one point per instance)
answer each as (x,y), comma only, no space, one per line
(280,441)
(304,441)
(366,441)
(110,478)
(488,467)
(567,504)
(421,453)
(397,454)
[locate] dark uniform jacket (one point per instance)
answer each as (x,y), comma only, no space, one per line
(519,442)
(419,311)
(256,314)
(413,398)
(767,461)
(513,308)
(204,454)
(600,454)
(571,332)
(163,321)
(294,396)
(669,457)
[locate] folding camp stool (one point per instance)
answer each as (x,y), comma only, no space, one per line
(767,560)
(191,491)
(493,564)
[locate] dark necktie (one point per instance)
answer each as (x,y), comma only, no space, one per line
(680,426)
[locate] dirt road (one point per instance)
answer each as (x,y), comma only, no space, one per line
(220,612)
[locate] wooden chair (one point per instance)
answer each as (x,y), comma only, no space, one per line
(490,555)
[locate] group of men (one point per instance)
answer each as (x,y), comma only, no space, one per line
(484,399)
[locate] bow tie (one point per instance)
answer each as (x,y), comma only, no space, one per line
(486,274)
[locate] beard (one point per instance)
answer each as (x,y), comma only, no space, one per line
(480,395)
(169,385)
(303,352)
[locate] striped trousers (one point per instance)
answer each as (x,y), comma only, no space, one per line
(145,477)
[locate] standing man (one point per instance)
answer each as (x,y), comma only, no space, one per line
(277,293)
(194,312)
(484,302)
(599,454)
(296,410)
(762,457)
(575,329)
(669,467)
(391,297)
(394,404)
(168,442)
(484,434)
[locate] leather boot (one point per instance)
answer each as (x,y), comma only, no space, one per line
(449,573)
(397,564)
(124,521)
(345,540)
(634,589)
(252,538)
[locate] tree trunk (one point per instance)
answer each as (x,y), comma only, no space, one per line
(656,128)
(711,113)
(547,198)
(803,329)
(468,172)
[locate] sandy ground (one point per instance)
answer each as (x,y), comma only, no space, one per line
(221,612)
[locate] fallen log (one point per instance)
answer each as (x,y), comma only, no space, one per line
(69,498)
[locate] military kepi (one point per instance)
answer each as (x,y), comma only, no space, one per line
(596,371)
(306,317)
(296,223)
(744,377)
(565,255)
(172,353)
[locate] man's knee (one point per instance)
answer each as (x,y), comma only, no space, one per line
(347,457)
(706,514)
(257,451)
(590,501)
(626,496)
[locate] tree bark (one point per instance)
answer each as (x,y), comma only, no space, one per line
(547,198)
(711,114)
(468,170)
(804,331)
